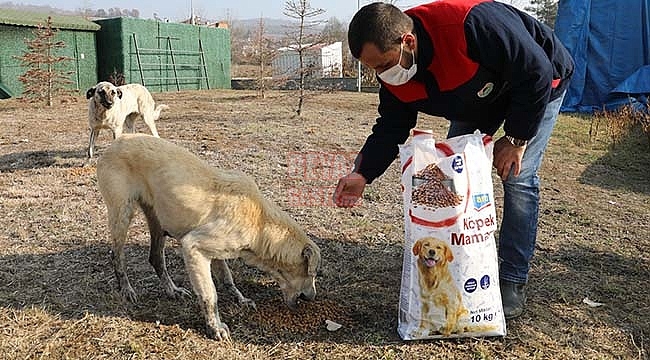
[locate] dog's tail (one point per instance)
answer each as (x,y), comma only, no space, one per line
(158,109)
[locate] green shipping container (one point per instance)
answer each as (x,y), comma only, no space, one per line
(77,33)
(164,56)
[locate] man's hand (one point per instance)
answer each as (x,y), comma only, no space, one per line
(349,190)
(506,157)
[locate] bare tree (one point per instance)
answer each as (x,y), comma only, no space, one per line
(265,51)
(544,10)
(44,77)
(303,39)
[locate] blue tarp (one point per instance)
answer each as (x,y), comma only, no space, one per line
(610,44)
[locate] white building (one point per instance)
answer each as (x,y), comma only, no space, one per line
(319,61)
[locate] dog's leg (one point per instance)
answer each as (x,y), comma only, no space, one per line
(424,314)
(129,122)
(222,271)
(197,265)
(119,218)
(91,142)
(157,254)
(149,119)
(117,132)
(451,318)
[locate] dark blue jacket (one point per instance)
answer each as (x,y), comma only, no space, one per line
(479,61)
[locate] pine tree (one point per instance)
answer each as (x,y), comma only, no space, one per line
(44,77)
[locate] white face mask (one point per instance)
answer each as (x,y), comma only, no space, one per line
(397,75)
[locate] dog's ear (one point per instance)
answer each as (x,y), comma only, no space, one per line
(311,258)
(448,254)
(417,247)
(119,93)
(90,93)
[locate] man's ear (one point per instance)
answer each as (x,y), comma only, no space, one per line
(90,93)
(119,93)
(409,41)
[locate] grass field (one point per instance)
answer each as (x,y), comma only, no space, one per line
(58,294)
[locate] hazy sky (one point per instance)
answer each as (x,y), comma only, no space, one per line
(219,9)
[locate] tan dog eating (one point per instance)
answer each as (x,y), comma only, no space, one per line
(215,214)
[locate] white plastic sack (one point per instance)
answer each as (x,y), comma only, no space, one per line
(450,277)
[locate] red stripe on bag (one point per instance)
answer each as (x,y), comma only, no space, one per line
(446,149)
(487,139)
(437,224)
(407,164)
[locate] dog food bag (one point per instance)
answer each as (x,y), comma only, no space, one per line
(450,277)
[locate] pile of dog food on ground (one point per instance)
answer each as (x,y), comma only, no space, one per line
(310,316)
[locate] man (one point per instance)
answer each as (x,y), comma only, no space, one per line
(481,64)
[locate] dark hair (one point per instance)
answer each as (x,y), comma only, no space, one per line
(380,24)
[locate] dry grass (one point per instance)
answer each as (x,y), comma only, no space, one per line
(58,297)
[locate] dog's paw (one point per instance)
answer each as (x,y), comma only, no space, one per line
(248,303)
(182,292)
(177,292)
(128,294)
(220,332)
(418,334)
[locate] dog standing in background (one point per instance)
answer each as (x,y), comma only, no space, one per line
(113,107)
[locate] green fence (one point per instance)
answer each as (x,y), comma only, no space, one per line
(164,56)
(80,47)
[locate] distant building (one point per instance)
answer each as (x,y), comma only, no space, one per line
(320,61)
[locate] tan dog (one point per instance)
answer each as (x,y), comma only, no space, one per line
(111,107)
(437,287)
(216,215)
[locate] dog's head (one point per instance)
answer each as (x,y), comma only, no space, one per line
(298,279)
(104,93)
(432,252)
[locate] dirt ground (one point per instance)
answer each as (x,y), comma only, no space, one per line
(58,295)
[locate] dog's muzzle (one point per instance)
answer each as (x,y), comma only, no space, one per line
(306,297)
(106,104)
(430,262)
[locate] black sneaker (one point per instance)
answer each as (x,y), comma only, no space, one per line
(513,296)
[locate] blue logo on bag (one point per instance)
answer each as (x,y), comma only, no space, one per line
(457,164)
(481,201)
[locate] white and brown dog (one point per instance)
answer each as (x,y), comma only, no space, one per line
(112,107)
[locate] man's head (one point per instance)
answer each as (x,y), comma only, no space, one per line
(377,35)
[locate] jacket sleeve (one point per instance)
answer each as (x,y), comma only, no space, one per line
(393,126)
(511,43)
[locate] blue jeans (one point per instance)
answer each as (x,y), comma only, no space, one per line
(518,231)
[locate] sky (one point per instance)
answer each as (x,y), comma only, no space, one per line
(220,9)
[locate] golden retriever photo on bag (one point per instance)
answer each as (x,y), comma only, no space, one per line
(113,107)
(437,288)
(215,214)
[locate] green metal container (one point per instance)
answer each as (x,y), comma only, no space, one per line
(164,56)
(76,32)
